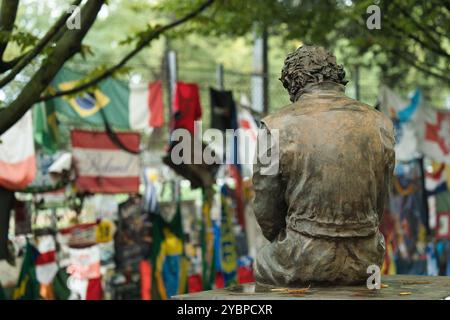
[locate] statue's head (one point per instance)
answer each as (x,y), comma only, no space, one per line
(310,65)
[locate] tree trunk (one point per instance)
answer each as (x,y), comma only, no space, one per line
(66,47)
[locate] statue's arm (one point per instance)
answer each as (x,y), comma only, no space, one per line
(389,163)
(268,205)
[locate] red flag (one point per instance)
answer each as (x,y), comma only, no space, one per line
(94,289)
(146,279)
(187,107)
(104,167)
(195,283)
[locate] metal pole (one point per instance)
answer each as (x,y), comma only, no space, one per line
(265,61)
(357,85)
(171,74)
(260,83)
(220,77)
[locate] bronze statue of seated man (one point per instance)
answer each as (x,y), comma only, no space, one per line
(322,207)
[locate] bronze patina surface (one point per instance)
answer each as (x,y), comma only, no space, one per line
(322,209)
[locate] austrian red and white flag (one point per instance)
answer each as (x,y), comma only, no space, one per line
(17,157)
(104,167)
(46,267)
(434,134)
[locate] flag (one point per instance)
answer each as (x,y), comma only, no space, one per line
(125,106)
(245,270)
(434,134)
(223,109)
(46,267)
(207,241)
(187,108)
(155,101)
(145,104)
(247,141)
(84,263)
(27,286)
(17,158)
(103,167)
(85,289)
(195,283)
(228,240)
(436,181)
(170,265)
(60,289)
(85,277)
(145,269)
(45,125)
(403,112)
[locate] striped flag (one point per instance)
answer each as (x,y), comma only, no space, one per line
(102,166)
(17,157)
(46,267)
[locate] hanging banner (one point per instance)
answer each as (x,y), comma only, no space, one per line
(403,112)
(102,167)
(81,235)
(17,157)
(46,266)
(125,106)
(443,225)
(133,238)
(22,217)
(434,134)
(84,263)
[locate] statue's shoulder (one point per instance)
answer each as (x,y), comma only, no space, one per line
(274,119)
(381,118)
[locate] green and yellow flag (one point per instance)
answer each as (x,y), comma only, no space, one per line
(170,266)
(45,126)
(27,286)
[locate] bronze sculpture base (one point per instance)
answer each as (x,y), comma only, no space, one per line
(397,287)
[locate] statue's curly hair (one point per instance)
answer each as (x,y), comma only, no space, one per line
(310,64)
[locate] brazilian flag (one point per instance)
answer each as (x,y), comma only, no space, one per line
(27,286)
(110,97)
(170,266)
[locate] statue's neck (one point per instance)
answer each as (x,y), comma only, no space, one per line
(326,87)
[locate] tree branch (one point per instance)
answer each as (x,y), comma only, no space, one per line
(28,57)
(420,26)
(8,65)
(419,67)
(65,48)
(8,13)
(141,44)
(425,45)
